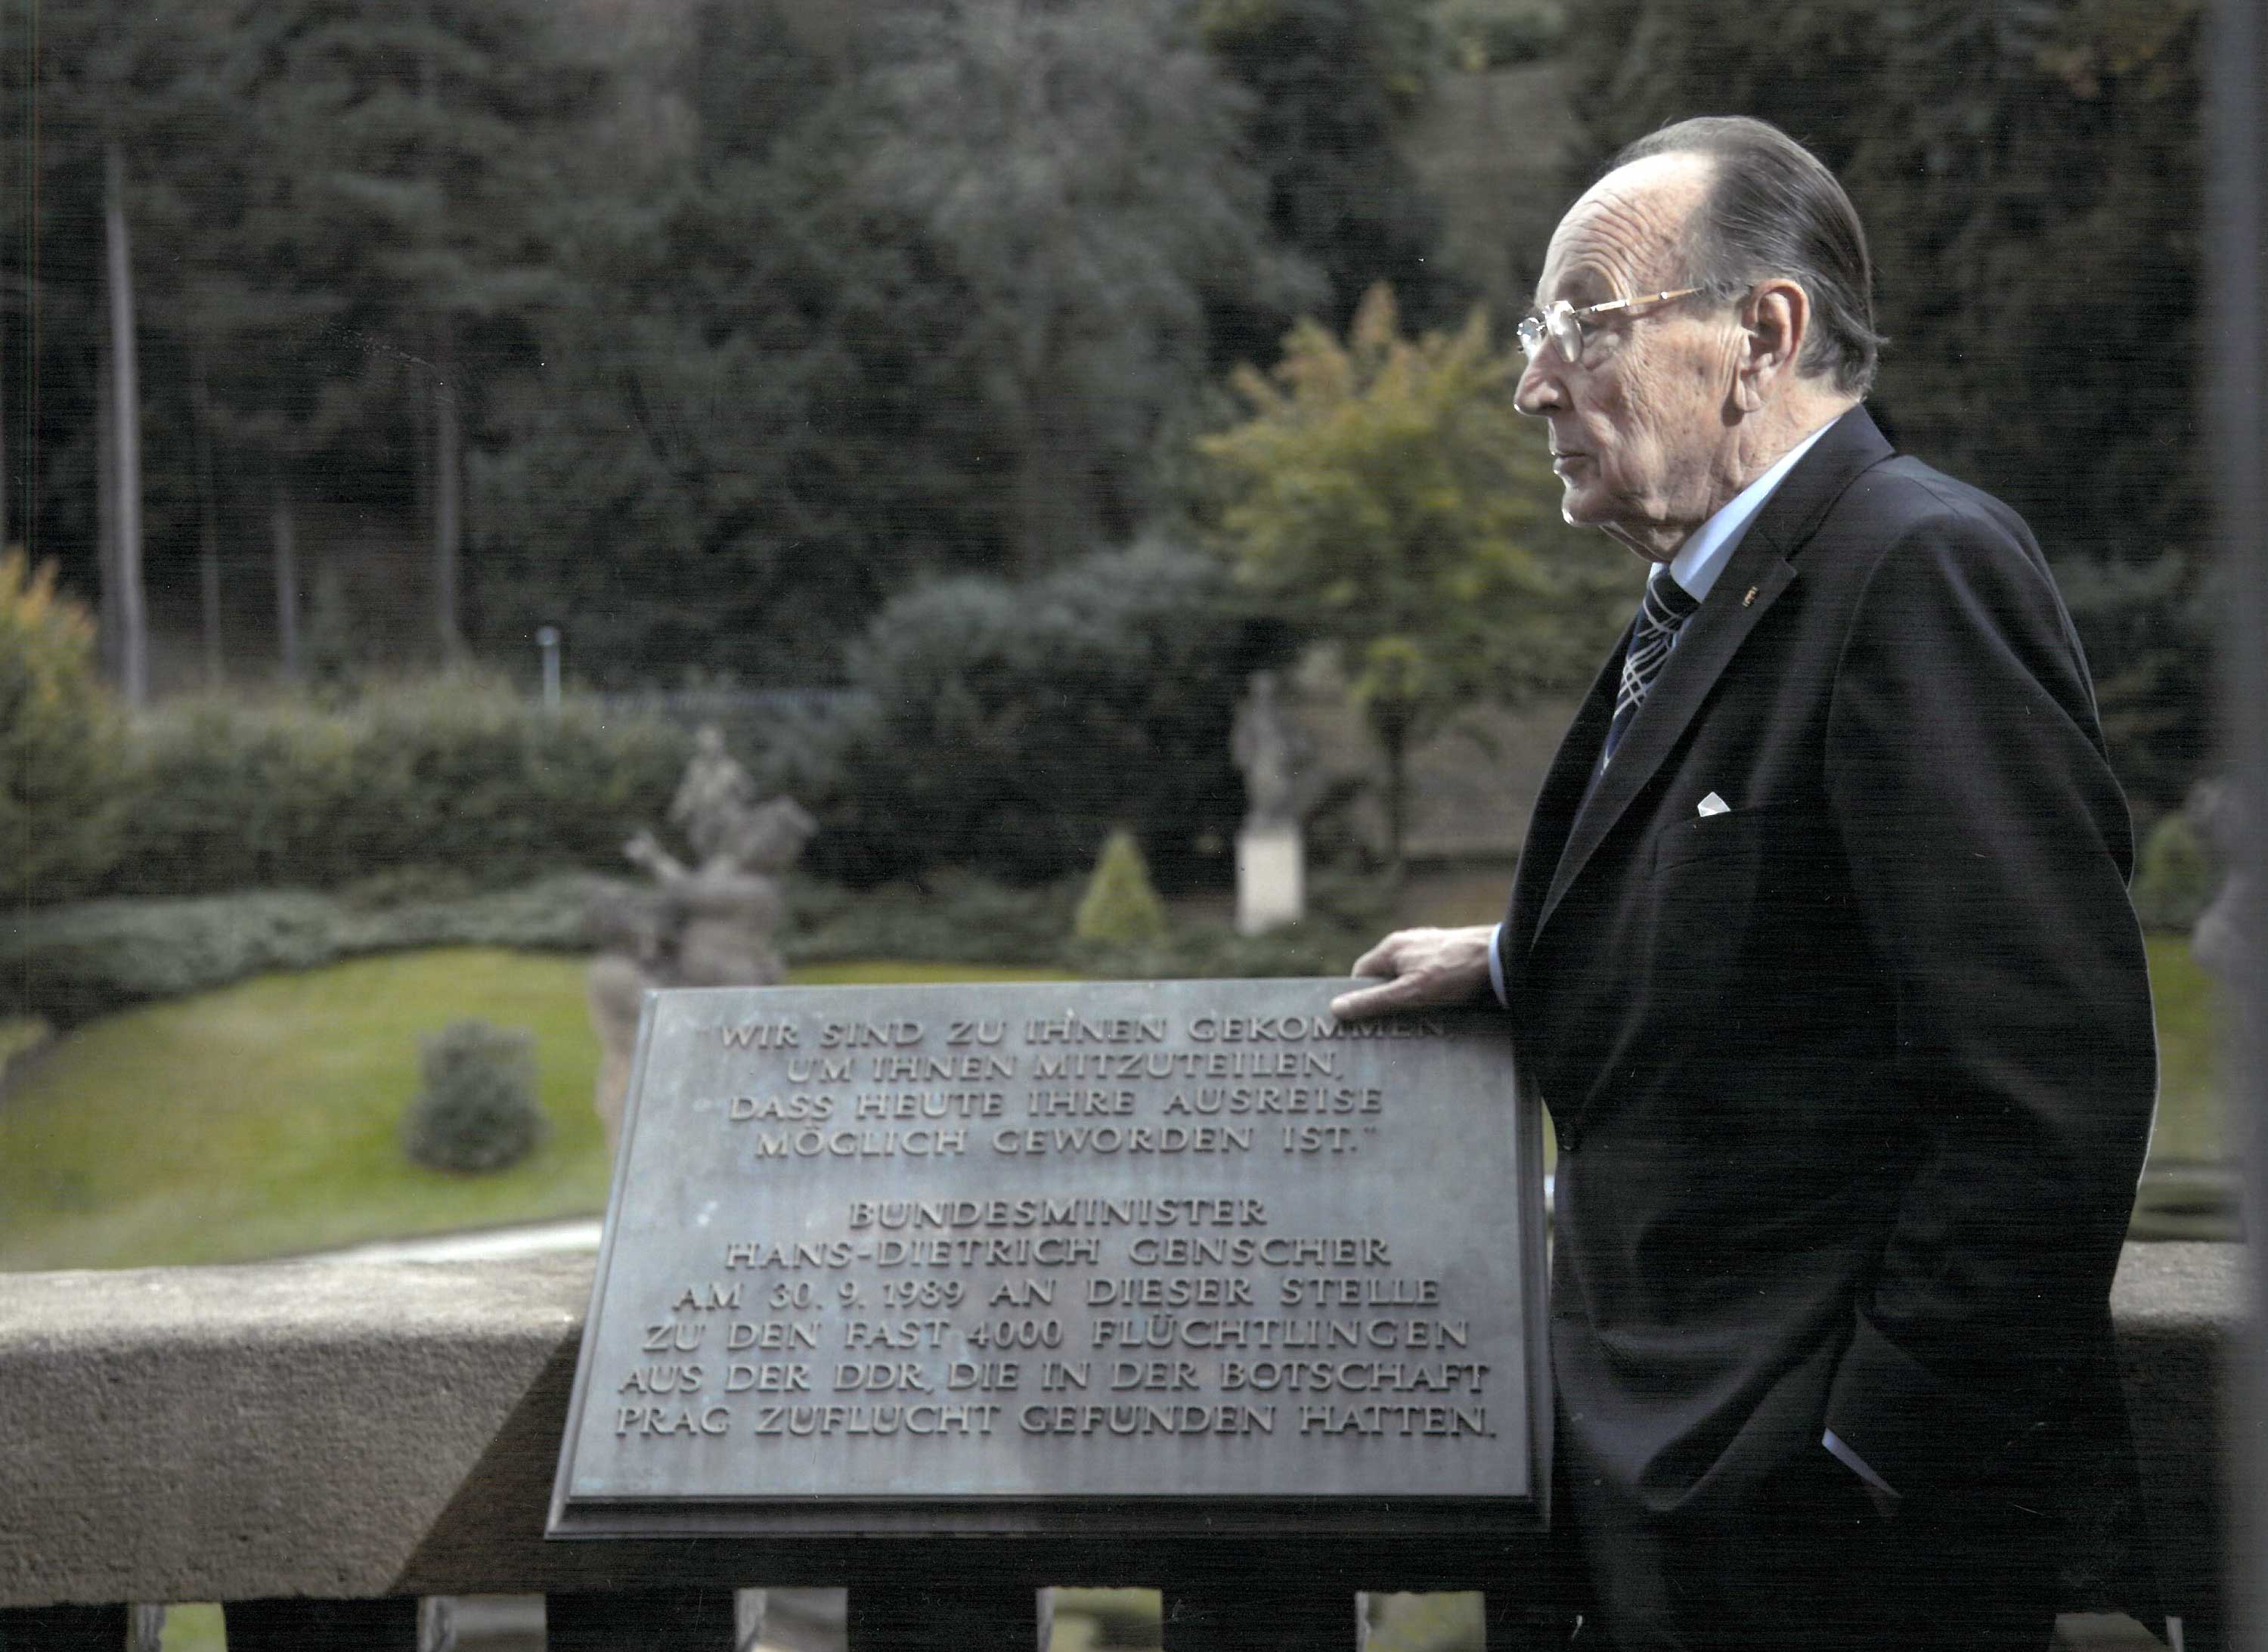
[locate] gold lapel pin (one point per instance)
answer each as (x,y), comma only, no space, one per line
(1749,598)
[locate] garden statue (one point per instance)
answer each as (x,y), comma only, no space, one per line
(714,794)
(1266,747)
(708,924)
(1270,858)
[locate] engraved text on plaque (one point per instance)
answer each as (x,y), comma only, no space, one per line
(934,1258)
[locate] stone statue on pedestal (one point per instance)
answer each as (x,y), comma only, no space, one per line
(1267,748)
(708,924)
(1271,856)
(714,795)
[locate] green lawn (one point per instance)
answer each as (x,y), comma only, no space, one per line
(264,1119)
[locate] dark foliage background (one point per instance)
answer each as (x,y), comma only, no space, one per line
(746,341)
(2029,172)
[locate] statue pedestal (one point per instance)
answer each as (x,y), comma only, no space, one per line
(1271,879)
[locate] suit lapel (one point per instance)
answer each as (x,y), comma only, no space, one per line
(1759,571)
(1703,650)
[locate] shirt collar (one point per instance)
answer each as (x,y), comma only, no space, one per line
(1702,557)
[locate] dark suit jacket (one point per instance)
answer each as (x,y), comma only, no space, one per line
(1852,1083)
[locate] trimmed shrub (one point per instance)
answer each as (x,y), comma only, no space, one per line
(454,772)
(2177,877)
(60,750)
(69,964)
(1119,908)
(1010,728)
(478,1111)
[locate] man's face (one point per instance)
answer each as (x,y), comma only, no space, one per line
(1639,435)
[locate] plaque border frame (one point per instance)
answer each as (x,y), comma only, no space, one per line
(913,1518)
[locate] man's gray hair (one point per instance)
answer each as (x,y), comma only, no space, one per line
(1774,210)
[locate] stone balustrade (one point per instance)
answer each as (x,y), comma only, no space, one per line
(319,1445)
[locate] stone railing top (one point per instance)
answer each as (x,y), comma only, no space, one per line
(2170,1284)
(324,1429)
(302,1428)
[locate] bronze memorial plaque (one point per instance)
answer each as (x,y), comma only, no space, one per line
(934,1259)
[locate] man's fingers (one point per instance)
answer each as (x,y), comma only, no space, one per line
(1424,969)
(1371,1000)
(1399,959)
(1380,959)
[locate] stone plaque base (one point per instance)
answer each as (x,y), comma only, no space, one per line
(1177,1257)
(1271,882)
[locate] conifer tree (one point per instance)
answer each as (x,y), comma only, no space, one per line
(400,224)
(1079,164)
(1121,907)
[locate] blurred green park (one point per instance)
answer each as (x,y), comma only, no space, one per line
(418,417)
(265,1119)
(421,418)
(846,351)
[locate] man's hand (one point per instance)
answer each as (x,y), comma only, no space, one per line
(1426,969)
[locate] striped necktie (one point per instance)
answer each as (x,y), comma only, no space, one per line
(1667,606)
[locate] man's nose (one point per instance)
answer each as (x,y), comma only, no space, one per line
(1539,389)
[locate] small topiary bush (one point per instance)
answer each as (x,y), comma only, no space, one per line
(2176,878)
(1119,908)
(477,1112)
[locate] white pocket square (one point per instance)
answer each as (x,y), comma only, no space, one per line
(1714,804)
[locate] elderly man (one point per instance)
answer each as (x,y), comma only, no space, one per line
(1819,954)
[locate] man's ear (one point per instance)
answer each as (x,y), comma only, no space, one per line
(1775,321)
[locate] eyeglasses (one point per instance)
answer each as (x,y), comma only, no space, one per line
(1563,326)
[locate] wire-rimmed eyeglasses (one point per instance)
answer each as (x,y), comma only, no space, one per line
(1563,326)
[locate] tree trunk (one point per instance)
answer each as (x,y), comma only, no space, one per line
(448,498)
(208,526)
(1055,461)
(126,407)
(1055,488)
(105,511)
(448,477)
(287,580)
(1393,731)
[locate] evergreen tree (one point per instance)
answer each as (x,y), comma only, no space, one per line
(1332,85)
(930,289)
(1078,165)
(96,102)
(764,413)
(395,240)
(1120,906)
